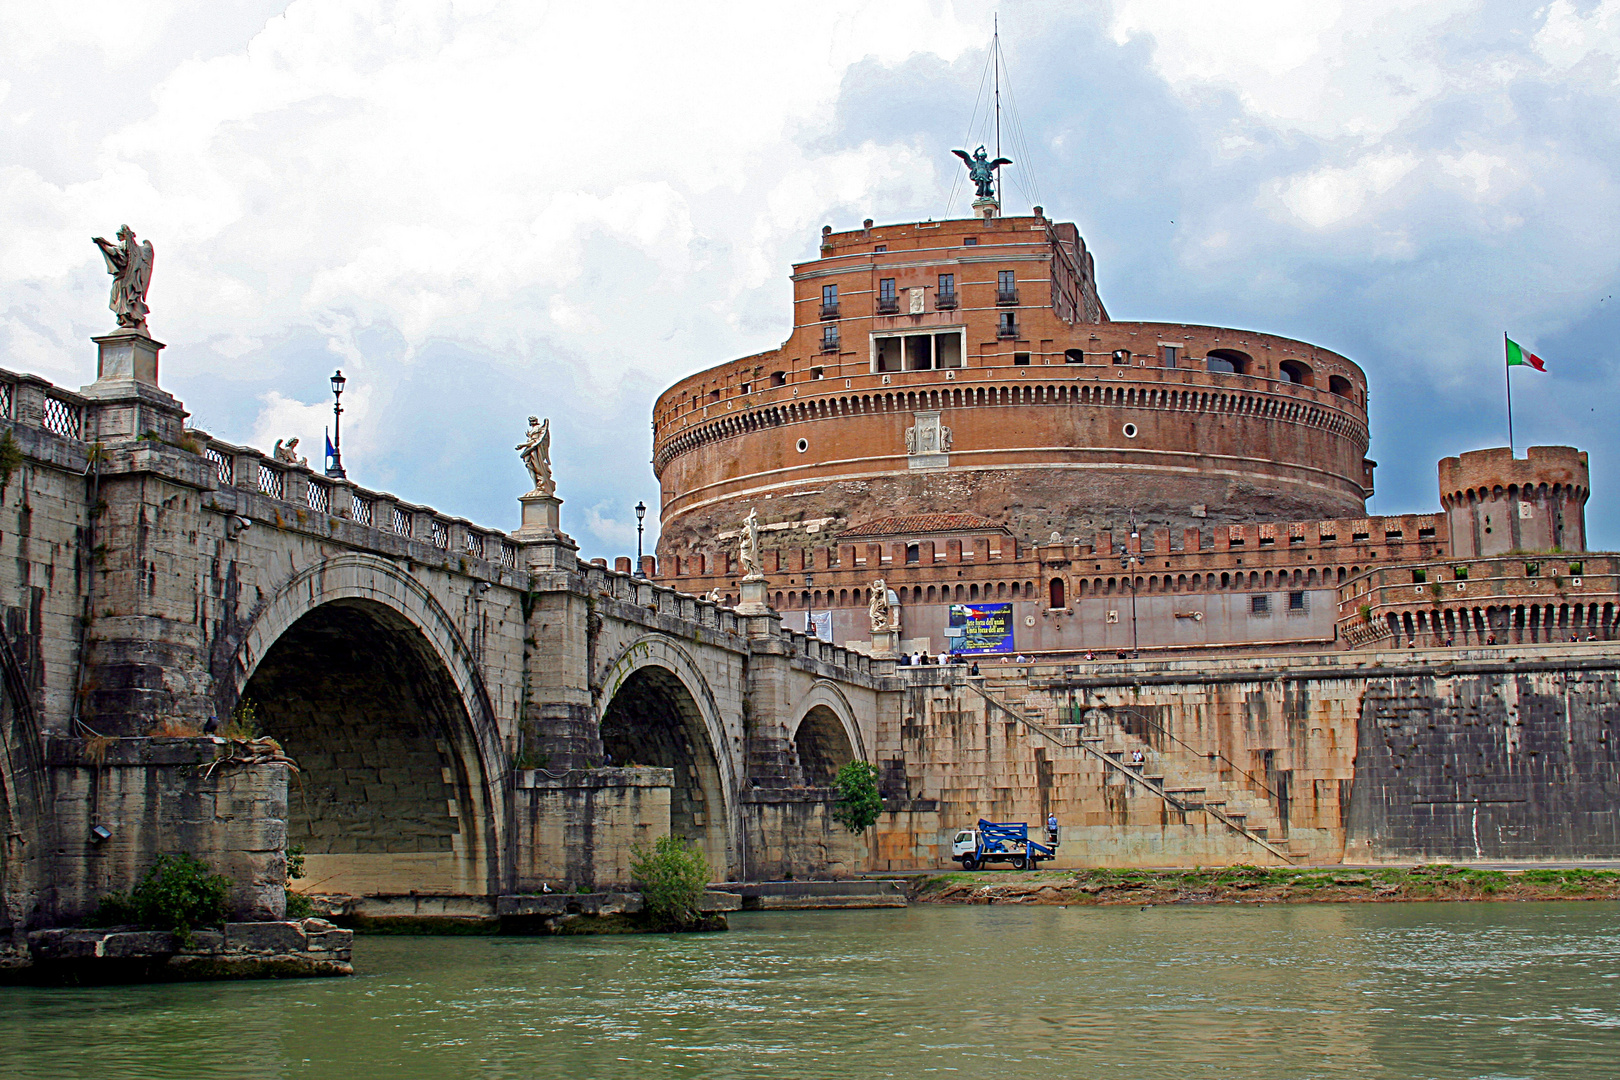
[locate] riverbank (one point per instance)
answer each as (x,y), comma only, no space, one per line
(1265,885)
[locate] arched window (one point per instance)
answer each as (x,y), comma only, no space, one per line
(973,592)
(1342,386)
(1229,362)
(1074,356)
(1292,371)
(1056,593)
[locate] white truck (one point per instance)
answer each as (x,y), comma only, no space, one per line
(1005,841)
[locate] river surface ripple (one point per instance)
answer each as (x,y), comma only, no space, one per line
(1404,991)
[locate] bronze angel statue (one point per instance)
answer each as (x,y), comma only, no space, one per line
(982,172)
(130,265)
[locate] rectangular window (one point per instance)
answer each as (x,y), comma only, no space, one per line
(919,352)
(829,301)
(818,373)
(880,248)
(1122,356)
(1167,355)
(947,284)
(886,353)
(1419,576)
(948,350)
(945,297)
(1459,573)
(1260,605)
(1532,569)
(829,339)
(1575,569)
(746,388)
(778,378)
(887,303)
(1020,357)
(970,241)
(1296,601)
(1006,287)
(1007,326)
(714,395)
(1074,356)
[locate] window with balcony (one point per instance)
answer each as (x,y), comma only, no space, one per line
(1006,287)
(829,339)
(887,303)
(1007,326)
(945,297)
(829,301)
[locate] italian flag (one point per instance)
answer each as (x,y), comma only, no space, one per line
(1518,355)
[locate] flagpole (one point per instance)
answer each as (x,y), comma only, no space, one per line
(1507,378)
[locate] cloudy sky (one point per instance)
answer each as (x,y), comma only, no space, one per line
(481,210)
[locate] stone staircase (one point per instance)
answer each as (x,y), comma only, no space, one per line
(1187,779)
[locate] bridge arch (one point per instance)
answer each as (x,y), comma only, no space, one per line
(658,710)
(825,733)
(22,808)
(369,684)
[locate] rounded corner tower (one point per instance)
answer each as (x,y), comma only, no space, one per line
(969,366)
(1496,503)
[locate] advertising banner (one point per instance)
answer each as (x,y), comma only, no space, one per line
(818,624)
(984,628)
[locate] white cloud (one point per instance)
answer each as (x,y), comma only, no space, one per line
(1330,195)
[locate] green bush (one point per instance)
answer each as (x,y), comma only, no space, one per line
(178,893)
(672,877)
(856,802)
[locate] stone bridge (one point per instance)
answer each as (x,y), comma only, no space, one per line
(471,712)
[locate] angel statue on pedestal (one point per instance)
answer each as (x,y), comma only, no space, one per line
(130,265)
(535,450)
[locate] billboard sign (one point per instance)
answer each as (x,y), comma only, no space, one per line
(984,628)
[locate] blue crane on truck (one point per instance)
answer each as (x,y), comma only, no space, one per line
(1000,841)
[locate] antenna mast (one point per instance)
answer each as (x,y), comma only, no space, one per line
(995,59)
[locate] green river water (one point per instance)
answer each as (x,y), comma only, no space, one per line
(1365,991)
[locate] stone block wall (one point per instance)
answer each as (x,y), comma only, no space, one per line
(581,828)
(791,834)
(1490,765)
(164,795)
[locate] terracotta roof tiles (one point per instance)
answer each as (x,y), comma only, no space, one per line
(914,524)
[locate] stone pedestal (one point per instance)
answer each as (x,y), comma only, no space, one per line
(540,537)
(125,401)
(986,208)
(885,644)
(755,597)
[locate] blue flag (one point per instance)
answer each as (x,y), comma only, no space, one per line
(331,451)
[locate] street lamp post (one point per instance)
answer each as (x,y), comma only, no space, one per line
(334,465)
(641,514)
(1129,561)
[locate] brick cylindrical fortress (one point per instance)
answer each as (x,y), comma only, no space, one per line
(969,367)
(1497,503)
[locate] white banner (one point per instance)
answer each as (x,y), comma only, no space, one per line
(818,624)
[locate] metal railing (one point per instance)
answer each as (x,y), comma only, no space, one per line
(359,509)
(7,395)
(1007,331)
(888,305)
(945,301)
(401,522)
(507,555)
(474,545)
(1006,296)
(441,536)
(319,498)
(829,311)
(63,417)
(224,467)
(270,481)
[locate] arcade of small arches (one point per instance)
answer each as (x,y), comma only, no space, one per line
(968,592)
(1261,405)
(1512,493)
(1518,624)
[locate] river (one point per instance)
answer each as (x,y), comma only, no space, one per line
(1366,991)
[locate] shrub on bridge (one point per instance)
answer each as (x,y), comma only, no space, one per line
(179,893)
(856,802)
(672,877)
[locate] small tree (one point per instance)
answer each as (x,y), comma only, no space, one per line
(856,802)
(672,877)
(178,893)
